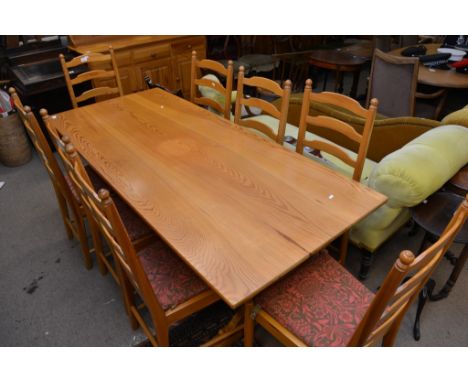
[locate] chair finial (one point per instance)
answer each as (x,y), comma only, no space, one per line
(27,109)
(44,113)
(70,150)
(405,259)
(104,195)
(287,84)
(308,83)
(66,139)
(12,90)
(374,103)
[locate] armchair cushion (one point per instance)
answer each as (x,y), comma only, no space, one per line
(213,93)
(412,173)
(459,117)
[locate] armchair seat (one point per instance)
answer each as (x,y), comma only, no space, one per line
(321,303)
(173,282)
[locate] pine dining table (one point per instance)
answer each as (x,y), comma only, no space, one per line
(239,210)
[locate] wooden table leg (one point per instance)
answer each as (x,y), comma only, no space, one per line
(460,263)
(354,87)
(339,81)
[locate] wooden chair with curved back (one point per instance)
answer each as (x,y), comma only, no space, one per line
(139,230)
(169,289)
(72,216)
(336,309)
(101,74)
(341,127)
(281,115)
(197,81)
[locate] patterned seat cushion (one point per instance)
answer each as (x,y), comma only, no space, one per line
(135,225)
(173,282)
(321,302)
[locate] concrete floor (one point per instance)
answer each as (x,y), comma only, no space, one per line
(48,298)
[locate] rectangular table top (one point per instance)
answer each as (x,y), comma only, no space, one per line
(239,210)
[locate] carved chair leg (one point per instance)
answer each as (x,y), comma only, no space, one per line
(249,324)
(366,261)
(424,295)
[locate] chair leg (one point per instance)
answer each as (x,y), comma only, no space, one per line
(83,238)
(97,242)
(249,325)
(65,213)
(128,296)
(366,261)
(344,247)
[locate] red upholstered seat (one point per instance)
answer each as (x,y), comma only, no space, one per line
(321,302)
(172,280)
(135,225)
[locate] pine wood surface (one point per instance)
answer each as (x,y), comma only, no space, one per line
(240,210)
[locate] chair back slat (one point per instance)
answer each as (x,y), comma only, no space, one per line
(337,125)
(91,75)
(261,127)
(88,58)
(97,92)
(398,292)
(267,108)
(340,100)
(196,82)
(205,101)
(330,149)
(210,84)
(97,60)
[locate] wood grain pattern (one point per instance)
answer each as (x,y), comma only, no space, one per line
(240,210)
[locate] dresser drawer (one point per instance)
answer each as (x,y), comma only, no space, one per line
(152,52)
(123,58)
(188,45)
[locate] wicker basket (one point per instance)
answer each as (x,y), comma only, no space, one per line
(15,149)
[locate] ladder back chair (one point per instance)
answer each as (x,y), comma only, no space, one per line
(139,232)
(102,74)
(277,132)
(336,309)
(341,127)
(223,93)
(72,216)
(170,290)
